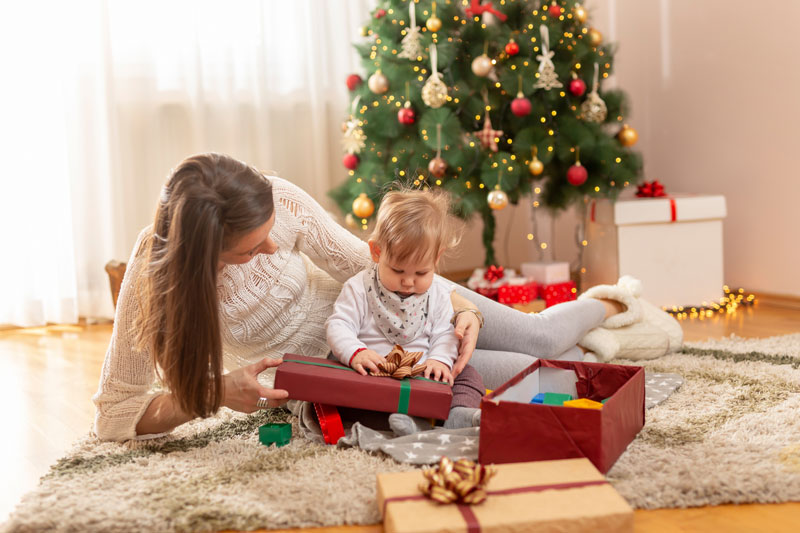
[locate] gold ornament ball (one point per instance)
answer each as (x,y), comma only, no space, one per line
(627,136)
(378,83)
(437,167)
(363,206)
(580,13)
(434,23)
(482,65)
(595,38)
(350,220)
(497,199)
(536,167)
(364,31)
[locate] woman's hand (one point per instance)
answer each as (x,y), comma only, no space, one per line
(242,390)
(467,326)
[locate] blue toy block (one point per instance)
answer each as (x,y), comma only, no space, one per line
(539,398)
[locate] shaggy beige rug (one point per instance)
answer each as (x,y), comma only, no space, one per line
(731,433)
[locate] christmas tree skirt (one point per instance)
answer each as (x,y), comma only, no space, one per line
(728,434)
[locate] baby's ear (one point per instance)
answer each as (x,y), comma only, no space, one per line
(374,250)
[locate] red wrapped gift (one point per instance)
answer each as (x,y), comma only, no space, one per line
(558,293)
(515,430)
(325,381)
(521,293)
(488,292)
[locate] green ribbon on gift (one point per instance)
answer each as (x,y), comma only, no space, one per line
(405,384)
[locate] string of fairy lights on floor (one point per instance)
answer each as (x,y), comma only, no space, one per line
(727,305)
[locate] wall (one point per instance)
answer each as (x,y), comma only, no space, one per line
(713,92)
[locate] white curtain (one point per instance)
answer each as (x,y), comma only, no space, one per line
(101,99)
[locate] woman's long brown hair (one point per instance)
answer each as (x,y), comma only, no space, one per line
(207,204)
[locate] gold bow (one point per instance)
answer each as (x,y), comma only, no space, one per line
(462,481)
(399,364)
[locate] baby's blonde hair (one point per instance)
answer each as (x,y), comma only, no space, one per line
(415,224)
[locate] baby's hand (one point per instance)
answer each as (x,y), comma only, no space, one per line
(438,371)
(366,360)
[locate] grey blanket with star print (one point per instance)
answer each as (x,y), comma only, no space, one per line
(427,447)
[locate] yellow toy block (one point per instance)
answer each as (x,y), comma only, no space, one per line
(584,403)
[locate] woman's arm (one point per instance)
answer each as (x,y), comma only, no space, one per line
(467,325)
(330,246)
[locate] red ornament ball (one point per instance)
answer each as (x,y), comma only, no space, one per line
(406,116)
(577,87)
(577,174)
(554,10)
(350,161)
(353,81)
(521,106)
(380,13)
(512,48)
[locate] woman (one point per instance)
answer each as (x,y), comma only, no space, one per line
(239,269)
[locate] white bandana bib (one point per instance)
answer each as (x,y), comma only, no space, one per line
(401,320)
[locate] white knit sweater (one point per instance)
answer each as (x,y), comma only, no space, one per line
(269,306)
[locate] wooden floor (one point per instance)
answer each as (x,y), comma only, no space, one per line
(51,374)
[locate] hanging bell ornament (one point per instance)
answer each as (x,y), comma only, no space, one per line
(437,167)
(627,136)
(497,199)
(595,38)
(580,13)
(535,167)
(363,206)
(378,83)
(482,65)
(350,221)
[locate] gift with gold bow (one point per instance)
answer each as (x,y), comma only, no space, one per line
(565,496)
(400,364)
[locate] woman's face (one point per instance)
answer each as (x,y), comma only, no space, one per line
(250,245)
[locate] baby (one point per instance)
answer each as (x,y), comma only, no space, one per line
(399,301)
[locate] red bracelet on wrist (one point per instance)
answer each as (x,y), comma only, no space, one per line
(350,362)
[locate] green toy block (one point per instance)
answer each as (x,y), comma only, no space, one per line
(604,400)
(277,434)
(556,398)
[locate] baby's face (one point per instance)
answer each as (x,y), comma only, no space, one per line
(406,277)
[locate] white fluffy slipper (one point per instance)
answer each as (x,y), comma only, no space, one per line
(665,322)
(626,291)
(637,342)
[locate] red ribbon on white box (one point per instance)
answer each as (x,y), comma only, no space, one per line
(673,208)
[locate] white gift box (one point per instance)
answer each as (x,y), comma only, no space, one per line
(546,272)
(672,244)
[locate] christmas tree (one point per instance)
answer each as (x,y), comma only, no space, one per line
(486,100)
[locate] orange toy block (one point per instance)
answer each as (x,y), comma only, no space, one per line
(584,403)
